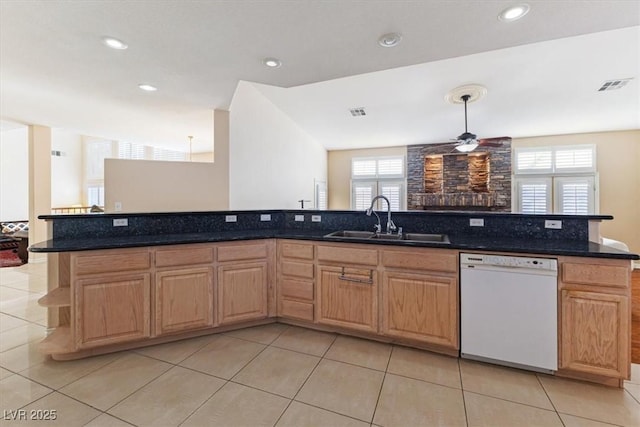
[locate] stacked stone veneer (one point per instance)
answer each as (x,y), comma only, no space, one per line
(438,177)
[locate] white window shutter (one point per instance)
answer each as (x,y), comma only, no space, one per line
(575,159)
(534,195)
(362,194)
(575,195)
(392,167)
(321,195)
(394,192)
(363,168)
(534,161)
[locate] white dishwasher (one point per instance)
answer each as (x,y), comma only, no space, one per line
(509,312)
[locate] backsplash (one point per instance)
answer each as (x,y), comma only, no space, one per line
(496,225)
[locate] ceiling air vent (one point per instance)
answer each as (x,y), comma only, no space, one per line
(357,112)
(614,84)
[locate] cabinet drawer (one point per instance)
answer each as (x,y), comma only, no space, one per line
(348,255)
(242,252)
(296,250)
(296,289)
(432,260)
(117,260)
(595,274)
(298,269)
(297,310)
(184,256)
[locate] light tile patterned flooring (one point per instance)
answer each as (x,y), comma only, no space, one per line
(278,375)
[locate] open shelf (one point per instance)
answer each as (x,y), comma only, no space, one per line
(59,297)
(59,341)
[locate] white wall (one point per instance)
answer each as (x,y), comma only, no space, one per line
(272,161)
(66,170)
(14,174)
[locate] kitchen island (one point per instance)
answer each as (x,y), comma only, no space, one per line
(171,276)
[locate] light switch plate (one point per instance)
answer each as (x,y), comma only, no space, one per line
(553,223)
(299,218)
(265,217)
(231,218)
(476,222)
(120,222)
(316,218)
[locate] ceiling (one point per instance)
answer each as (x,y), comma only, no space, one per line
(542,72)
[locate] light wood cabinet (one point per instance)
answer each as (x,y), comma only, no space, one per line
(183,288)
(245,281)
(183,299)
(595,317)
(112,309)
(420,307)
(420,295)
(242,292)
(348,297)
(296,280)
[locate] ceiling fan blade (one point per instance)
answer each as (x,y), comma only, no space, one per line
(494,142)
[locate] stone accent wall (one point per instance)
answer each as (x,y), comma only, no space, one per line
(438,177)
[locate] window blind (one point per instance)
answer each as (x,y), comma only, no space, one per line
(534,196)
(575,196)
(363,193)
(574,159)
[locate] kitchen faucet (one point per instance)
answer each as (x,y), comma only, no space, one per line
(390,225)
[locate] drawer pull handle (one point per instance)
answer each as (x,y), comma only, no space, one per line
(368,281)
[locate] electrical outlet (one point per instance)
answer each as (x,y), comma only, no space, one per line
(476,222)
(120,222)
(316,218)
(117,206)
(555,224)
(299,218)
(231,218)
(265,217)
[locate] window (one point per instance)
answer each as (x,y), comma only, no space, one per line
(95,153)
(321,195)
(555,180)
(372,177)
(129,150)
(95,195)
(168,155)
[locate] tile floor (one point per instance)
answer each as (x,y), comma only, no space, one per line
(277,375)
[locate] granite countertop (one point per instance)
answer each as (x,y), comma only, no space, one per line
(461,242)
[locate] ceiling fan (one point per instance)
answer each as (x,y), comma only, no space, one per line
(468,141)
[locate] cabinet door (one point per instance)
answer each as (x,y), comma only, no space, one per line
(184,299)
(594,333)
(420,307)
(112,309)
(242,292)
(348,297)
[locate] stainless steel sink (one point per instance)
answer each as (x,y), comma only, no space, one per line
(406,237)
(352,234)
(432,238)
(388,236)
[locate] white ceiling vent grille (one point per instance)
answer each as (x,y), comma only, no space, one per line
(614,84)
(358,112)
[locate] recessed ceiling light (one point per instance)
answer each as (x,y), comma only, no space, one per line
(147,87)
(272,62)
(114,43)
(514,12)
(389,39)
